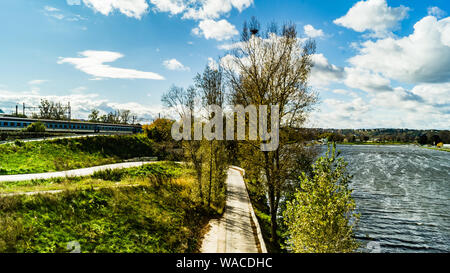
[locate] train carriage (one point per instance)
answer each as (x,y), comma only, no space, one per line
(65,126)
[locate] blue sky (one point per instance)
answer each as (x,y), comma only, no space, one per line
(379,63)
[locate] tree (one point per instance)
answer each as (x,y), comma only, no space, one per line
(125,116)
(51,110)
(159,130)
(321,218)
(212,89)
(94,116)
(423,139)
(272,68)
(183,102)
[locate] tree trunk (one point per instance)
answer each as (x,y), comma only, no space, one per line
(210,174)
(272,203)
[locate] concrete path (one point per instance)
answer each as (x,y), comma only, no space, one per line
(236,231)
(78,172)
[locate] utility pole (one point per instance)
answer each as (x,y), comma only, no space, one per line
(69,114)
(23,109)
(17,110)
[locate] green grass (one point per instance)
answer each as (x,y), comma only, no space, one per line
(146,209)
(65,154)
(375,143)
(262,212)
(439,149)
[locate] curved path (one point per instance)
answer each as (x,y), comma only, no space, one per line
(236,231)
(78,172)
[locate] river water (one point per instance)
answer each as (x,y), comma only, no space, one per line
(403,196)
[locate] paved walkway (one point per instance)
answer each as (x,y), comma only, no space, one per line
(235,231)
(78,172)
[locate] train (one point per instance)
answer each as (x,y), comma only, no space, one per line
(8,123)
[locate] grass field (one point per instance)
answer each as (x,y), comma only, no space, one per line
(65,154)
(152,208)
(439,149)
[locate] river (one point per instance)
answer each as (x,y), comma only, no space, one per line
(403,196)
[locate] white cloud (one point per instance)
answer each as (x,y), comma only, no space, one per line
(171,6)
(423,56)
(436,12)
(73,2)
(323,73)
(373,15)
(365,80)
(37,82)
(212,9)
(131,8)
(213,64)
(436,94)
(174,64)
(311,32)
(50,9)
(345,92)
(92,63)
(219,30)
(191,9)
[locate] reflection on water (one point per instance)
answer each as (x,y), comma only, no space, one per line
(403,196)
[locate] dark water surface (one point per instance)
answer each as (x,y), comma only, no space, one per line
(403,196)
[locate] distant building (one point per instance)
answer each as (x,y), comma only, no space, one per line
(446,146)
(1,112)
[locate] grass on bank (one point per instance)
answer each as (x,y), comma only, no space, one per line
(262,212)
(439,149)
(152,208)
(376,143)
(73,153)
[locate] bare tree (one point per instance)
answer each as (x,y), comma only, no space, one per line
(183,102)
(211,85)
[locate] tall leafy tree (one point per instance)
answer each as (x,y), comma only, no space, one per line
(272,68)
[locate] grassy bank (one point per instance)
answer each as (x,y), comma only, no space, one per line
(152,208)
(65,154)
(375,143)
(439,149)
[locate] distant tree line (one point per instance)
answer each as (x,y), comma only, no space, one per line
(423,137)
(114,117)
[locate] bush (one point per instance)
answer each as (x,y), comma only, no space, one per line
(321,217)
(110,174)
(35,127)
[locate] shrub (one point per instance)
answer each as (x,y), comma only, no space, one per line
(35,127)
(321,216)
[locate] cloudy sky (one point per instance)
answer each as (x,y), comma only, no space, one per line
(379,63)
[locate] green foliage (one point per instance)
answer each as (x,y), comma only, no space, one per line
(321,217)
(159,130)
(73,153)
(158,218)
(35,127)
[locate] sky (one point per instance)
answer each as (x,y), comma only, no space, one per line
(378,63)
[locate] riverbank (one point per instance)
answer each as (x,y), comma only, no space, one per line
(439,149)
(376,143)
